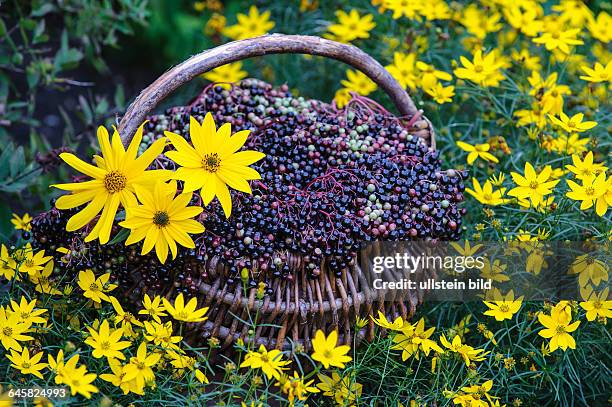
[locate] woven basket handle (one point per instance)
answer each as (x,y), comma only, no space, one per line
(267,44)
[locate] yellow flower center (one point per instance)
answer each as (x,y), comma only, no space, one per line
(560,330)
(7,331)
(556,35)
(105,345)
(478,68)
(26,365)
(504,308)
(265,358)
(29,263)
(211,162)
(140,365)
(115,181)
(161,219)
(571,124)
(533,185)
(488,197)
(94,287)
(589,191)
(182,315)
(24,315)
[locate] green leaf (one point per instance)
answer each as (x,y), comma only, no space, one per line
(17,162)
(120,237)
(45,8)
(5,157)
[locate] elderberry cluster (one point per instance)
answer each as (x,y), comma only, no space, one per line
(331,180)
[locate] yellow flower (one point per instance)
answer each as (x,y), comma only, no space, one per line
(342,97)
(8,265)
(162,220)
(116,173)
(126,319)
(41,280)
(95,288)
(140,365)
(478,150)
(326,351)
(467,353)
(440,93)
(22,223)
(436,10)
(161,335)
(271,363)
(599,73)
(497,180)
(483,71)
(226,74)
(185,312)
(479,21)
(588,269)
(344,390)
(532,185)
(383,322)
(408,8)
(523,19)
(153,308)
(486,195)
(26,312)
(106,342)
(12,331)
(494,270)
(80,381)
(503,307)
(559,40)
(215,24)
(524,58)
(601,28)
(585,168)
(26,364)
(119,378)
(403,69)
(573,124)
(558,327)
(413,341)
(31,263)
(295,387)
(350,26)
(213,162)
(598,305)
(592,192)
(358,82)
(476,395)
(250,25)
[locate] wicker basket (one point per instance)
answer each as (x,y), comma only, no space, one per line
(299,306)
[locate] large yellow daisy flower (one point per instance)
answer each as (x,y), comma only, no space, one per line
(115,174)
(213,161)
(162,220)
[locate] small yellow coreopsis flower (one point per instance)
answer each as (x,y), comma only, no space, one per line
(404,70)
(271,362)
(601,27)
(107,342)
(327,351)
(467,352)
(140,365)
(226,74)
(153,307)
(485,193)
(250,25)
(358,82)
(26,363)
(572,124)
(185,312)
(482,70)
(532,185)
(23,222)
(597,305)
(441,94)
(350,26)
(559,40)
(12,331)
(95,288)
(598,73)
(557,327)
(416,340)
(477,151)
(503,306)
(409,9)
(585,168)
(26,312)
(592,191)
